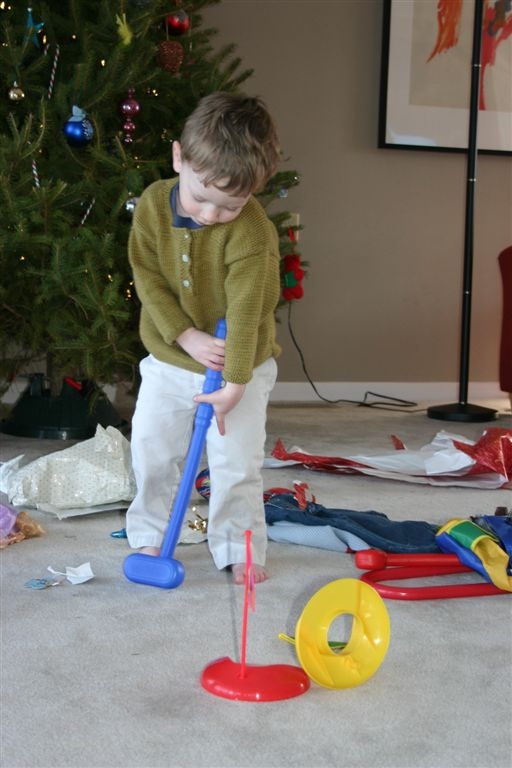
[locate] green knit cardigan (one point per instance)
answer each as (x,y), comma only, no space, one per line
(192,277)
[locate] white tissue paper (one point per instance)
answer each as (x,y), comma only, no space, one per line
(78,575)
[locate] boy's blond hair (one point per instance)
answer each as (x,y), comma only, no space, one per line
(230,141)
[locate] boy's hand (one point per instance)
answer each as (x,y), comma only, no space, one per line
(223,401)
(205,349)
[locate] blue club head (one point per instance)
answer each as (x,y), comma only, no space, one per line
(163,572)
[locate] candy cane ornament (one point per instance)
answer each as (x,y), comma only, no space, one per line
(54,70)
(35,175)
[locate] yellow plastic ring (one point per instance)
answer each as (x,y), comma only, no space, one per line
(369,639)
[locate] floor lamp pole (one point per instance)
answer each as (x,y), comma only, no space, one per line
(462,410)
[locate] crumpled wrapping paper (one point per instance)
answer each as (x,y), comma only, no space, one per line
(90,474)
(447,460)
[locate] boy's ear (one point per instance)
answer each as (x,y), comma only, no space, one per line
(176,156)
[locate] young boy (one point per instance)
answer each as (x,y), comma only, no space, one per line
(201,248)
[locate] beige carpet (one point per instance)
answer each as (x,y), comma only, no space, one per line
(106,674)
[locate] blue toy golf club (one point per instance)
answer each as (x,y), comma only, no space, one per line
(163,570)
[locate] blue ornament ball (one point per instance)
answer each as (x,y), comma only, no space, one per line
(203,483)
(78,133)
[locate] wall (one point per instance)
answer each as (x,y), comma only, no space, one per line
(384,228)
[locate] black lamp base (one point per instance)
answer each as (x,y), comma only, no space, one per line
(461,412)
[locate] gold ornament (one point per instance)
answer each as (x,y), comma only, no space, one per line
(16,93)
(200,523)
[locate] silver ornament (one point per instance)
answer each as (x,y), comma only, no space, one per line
(130,204)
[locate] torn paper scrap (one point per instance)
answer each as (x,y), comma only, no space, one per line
(78,575)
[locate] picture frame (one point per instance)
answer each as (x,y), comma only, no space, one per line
(426,78)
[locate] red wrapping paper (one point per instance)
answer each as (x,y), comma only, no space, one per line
(491,454)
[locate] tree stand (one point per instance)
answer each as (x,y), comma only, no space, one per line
(74,414)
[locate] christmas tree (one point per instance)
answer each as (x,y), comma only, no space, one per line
(95,93)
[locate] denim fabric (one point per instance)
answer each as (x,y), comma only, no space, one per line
(319,536)
(407,536)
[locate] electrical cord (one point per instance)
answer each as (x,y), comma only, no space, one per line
(388,403)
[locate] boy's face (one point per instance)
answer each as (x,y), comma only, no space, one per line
(205,205)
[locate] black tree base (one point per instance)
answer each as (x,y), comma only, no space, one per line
(74,414)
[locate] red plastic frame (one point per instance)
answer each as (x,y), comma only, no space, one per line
(418,566)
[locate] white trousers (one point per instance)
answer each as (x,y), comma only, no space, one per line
(161,432)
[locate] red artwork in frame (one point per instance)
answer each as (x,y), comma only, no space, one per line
(426,71)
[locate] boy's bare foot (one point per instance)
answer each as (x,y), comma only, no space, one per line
(154,551)
(238,571)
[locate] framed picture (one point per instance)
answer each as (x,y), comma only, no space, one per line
(426,76)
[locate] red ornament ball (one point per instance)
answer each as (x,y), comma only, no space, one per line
(129,107)
(177,23)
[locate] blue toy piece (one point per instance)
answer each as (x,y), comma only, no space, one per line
(203,483)
(164,571)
